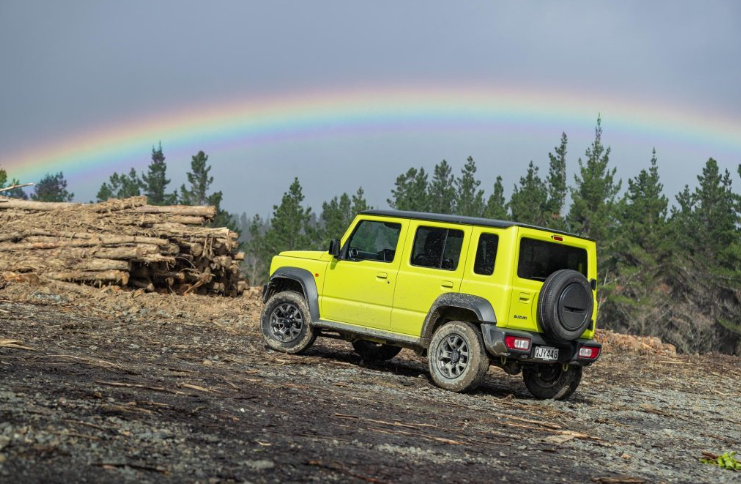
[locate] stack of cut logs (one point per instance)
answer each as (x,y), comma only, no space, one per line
(123,242)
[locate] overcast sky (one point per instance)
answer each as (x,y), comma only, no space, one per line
(69,68)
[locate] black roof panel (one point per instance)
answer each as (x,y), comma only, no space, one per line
(459,219)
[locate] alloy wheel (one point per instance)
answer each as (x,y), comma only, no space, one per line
(286,322)
(452,356)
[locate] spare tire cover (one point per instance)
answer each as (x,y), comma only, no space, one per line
(565,305)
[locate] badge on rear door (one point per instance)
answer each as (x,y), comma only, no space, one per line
(548,353)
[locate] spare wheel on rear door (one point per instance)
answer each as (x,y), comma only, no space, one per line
(565,305)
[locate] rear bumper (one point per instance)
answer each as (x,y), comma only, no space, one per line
(568,353)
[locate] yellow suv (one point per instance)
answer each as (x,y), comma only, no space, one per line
(467,292)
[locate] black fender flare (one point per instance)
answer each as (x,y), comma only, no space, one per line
(308,284)
(478,305)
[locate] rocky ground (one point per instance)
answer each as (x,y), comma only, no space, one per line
(114,386)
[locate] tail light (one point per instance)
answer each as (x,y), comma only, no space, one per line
(517,343)
(589,352)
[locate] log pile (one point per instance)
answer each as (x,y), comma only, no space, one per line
(122,242)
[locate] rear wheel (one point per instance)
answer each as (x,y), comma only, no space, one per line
(552,381)
(457,357)
(371,351)
(286,323)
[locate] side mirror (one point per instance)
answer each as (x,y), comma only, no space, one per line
(334,248)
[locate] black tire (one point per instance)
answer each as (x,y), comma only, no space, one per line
(551,381)
(286,323)
(371,351)
(565,305)
(457,357)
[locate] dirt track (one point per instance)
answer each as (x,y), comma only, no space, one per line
(104,392)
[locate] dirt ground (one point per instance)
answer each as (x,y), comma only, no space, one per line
(105,386)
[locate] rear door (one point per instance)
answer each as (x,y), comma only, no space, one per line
(540,254)
(488,268)
(433,264)
(359,287)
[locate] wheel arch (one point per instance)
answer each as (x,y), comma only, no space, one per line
(456,307)
(294,278)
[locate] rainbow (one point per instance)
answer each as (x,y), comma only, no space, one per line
(242,124)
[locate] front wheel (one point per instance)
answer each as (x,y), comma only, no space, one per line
(286,323)
(457,357)
(552,381)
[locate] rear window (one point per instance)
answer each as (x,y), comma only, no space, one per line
(540,259)
(486,254)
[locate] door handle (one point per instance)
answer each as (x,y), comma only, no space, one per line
(447,284)
(382,275)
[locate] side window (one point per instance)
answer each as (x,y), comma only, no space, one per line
(373,240)
(437,248)
(486,254)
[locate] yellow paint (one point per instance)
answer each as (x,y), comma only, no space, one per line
(418,287)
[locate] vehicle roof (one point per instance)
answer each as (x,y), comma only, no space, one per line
(461,220)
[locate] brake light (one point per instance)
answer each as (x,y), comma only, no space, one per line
(517,343)
(557,238)
(589,352)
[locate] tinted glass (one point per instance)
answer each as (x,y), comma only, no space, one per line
(373,240)
(540,259)
(437,248)
(486,254)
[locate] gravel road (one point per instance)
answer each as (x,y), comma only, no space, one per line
(96,393)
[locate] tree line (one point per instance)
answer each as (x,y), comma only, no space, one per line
(666,270)
(671,270)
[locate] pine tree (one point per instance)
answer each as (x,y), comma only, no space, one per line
(336,216)
(529,198)
(359,204)
(470,200)
(497,206)
(52,188)
(106,191)
(257,252)
(15,192)
(155,181)
(712,210)
(199,181)
(593,210)
(441,192)
(410,191)
(223,218)
(644,211)
(556,186)
(121,186)
(706,264)
(290,226)
(717,213)
(637,300)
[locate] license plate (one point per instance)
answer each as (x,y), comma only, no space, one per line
(548,353)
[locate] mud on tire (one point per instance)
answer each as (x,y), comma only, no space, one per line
(457,357)
(286,323)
